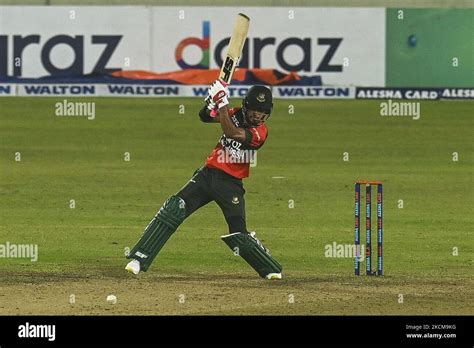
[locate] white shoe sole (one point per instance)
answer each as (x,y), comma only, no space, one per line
(131,270)
(273,276)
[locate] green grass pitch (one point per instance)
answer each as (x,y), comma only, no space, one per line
(428,242)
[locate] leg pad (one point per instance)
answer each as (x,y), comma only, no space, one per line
(158,231)
(253,252)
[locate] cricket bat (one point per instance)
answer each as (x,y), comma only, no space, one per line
(236,45)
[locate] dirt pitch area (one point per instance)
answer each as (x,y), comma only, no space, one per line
(224,294)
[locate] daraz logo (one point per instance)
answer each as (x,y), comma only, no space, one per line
(306,64)
(203,44)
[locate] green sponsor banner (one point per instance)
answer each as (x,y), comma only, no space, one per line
(430,48)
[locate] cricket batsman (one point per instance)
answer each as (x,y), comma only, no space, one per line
(219,180)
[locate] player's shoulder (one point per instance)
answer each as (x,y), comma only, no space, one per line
(262,128)
(258,135)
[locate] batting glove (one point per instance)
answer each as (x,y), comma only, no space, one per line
(219,93)
(210,104)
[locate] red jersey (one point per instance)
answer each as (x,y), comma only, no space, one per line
(234,157)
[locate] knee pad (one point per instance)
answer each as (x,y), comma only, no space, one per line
(173,212)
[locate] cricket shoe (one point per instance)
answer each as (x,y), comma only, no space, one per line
(273,276)
(133,266)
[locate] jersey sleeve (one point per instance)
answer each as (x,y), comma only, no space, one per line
(204,115)
(256,136)
(233,111)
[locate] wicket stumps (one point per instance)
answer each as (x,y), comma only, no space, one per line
(368,227)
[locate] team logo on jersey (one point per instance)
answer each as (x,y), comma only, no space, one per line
(261,97)
(235,200)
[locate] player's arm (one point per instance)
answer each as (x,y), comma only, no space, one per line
(219,95)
